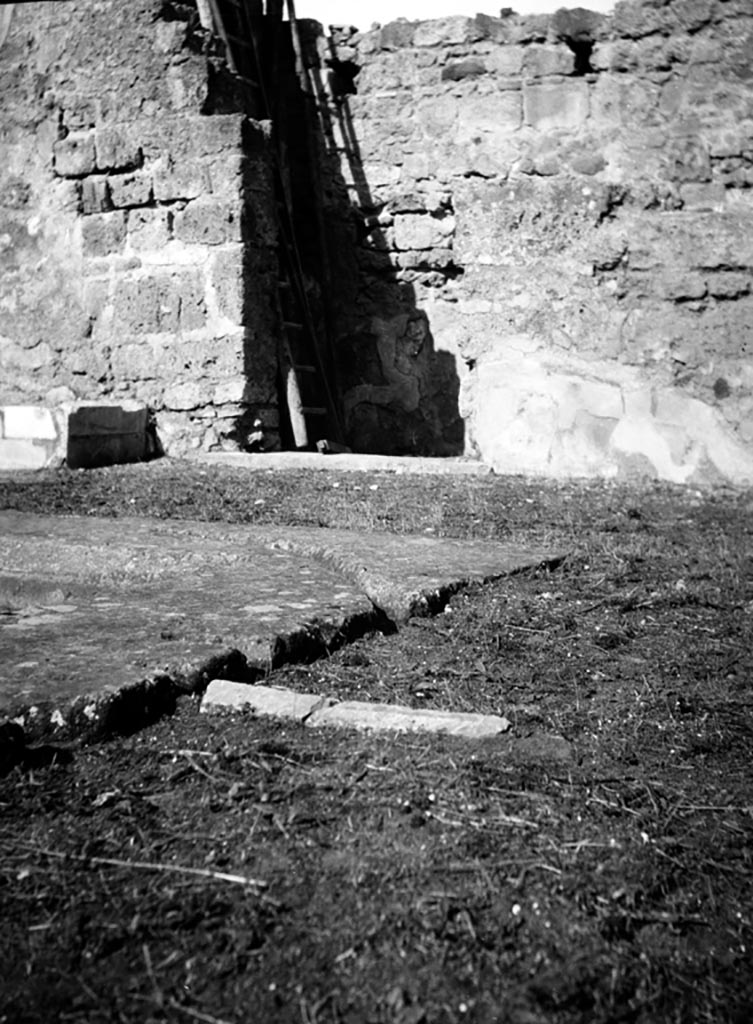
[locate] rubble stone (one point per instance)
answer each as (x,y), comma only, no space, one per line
(268,701)
(318,711)
(356,714)
(564,105)
(74,155)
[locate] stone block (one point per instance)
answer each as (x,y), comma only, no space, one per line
(135,362)
(218,135)
(101,266)
(116,150)
(578,25)
(422,231)
(629,101)
(730,141)
(227,281)
(230,391)
(74,156)
(452,31)
(22,454)
(356,714)
(82,434)
(564,105)
(167,302)
(432,258)
(168,358)
(396,35)
(184,397)
(187,290)
(588,163)
(498,30)
(677,286)
(687,159)
(729,285)
(228,176)
(173,181)
(531,28)
(615,55)
(539,61)
(131,189)
(703,196)
(60,395)
(633,19)
(103,233)
(269,701)
(30,422)
(457,71)
(103,435)
(437,114)
(80,111)
(506,60)
(209,221)
(90,419)
(492,115)
(16,358)
(183,139)
(149,228)
(95,195)
(15,192)
(546,165)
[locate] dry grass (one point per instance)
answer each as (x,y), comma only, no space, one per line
(597,867)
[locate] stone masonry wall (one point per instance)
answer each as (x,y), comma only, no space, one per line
(557,211)
(136,247)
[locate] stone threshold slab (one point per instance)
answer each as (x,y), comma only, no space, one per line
(100,618)
(317,711)
(350,462)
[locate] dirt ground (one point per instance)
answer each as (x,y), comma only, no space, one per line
(596,866)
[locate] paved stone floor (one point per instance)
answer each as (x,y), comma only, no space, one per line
(89,606)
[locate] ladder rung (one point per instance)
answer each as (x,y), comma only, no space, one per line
(304,368)
(238,40)
(292,325)
(314,410)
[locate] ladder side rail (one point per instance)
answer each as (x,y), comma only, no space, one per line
(291,252)
(309,94)
(219,23)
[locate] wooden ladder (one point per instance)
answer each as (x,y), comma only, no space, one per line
(312,406)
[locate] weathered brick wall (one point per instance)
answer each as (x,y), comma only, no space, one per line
(558,222)
(136,247)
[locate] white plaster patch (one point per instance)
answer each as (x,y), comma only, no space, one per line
(583,419)
(29,421)
(635,436)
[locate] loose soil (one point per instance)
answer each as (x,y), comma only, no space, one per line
(599,868)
